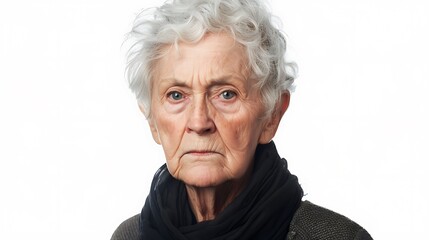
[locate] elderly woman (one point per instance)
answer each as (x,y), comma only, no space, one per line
(211,79)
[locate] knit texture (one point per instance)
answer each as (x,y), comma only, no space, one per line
(314,222)
(128,230)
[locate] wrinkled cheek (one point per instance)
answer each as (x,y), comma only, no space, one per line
(167,125)
(236,137)
(249,139)
(173,132)
(170,145)
(167,134)
(169,130)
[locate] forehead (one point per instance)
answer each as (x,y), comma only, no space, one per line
(215,55)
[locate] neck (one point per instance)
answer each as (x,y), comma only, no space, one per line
(207,202)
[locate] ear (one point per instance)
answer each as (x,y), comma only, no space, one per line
(272,123)
(152,125)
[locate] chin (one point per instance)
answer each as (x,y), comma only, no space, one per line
(203,177)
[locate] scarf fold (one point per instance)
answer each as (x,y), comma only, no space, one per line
(263,210)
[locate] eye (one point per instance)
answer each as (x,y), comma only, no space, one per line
(175,95)
(228,94)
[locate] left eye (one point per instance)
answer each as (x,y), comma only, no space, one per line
(228,94)
(175,95)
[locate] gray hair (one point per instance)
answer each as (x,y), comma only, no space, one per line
(247,21)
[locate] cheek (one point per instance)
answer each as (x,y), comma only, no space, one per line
(167,127)
(170,129)
(240,132)
(170,140)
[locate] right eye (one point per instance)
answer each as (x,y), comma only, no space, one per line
(175,95)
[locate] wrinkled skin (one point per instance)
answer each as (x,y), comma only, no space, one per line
(207,115)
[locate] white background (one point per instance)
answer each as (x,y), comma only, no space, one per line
(76,156)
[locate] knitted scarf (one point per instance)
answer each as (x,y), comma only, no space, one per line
(263,210)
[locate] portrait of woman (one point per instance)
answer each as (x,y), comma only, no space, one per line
(214,119)
(212,80)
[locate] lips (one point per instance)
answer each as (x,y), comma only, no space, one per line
(199,152)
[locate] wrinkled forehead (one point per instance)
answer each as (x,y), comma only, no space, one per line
(212,45)
(215,55)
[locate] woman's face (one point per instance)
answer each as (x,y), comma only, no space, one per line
(206,113)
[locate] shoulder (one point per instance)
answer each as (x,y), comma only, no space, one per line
(128,230)
(309,222)
(313,222)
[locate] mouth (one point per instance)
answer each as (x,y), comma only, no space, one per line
(201,152)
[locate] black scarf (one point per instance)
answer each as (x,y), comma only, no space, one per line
(263,210)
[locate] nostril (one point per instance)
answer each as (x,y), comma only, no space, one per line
(211,128)
(206,127)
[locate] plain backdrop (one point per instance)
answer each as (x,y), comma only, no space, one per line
(76,156)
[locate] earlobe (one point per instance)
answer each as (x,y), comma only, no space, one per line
(272,123)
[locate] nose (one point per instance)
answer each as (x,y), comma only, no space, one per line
(199,120)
